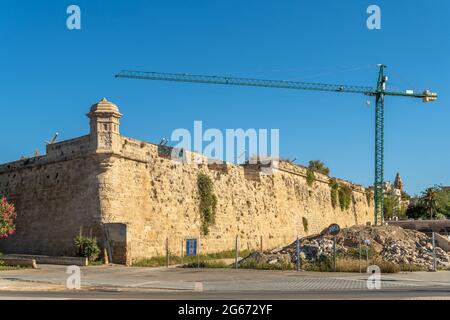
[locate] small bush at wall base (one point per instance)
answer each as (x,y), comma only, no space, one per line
(87,247)
(208,264)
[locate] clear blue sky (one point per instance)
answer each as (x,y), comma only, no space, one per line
(50,76)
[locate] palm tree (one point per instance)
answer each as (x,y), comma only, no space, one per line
(429,200)
(319,166)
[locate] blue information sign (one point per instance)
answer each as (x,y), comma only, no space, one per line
(191,247)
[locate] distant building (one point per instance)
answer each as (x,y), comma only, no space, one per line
(396,190)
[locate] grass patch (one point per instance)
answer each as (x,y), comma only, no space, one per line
(349,265)
(4,267)
(252,264)
(160,261)
(208,264)
(354,265)
(7,268)
(354,252)
(324,264)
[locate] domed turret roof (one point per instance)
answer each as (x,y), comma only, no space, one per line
(104,106)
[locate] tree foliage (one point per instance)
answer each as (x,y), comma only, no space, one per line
(390,205)
(433,203)
(319,166)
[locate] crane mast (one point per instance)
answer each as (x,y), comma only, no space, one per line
(379,92)
(379,147)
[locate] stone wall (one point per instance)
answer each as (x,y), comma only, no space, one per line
(55,199)
(119,190)
(158,198)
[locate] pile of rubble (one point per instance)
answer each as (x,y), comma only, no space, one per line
(387,243)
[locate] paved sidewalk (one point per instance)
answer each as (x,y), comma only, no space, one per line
(14,285)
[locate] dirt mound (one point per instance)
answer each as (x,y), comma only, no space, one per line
(390,244)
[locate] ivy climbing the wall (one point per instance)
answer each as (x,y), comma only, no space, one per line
(369,196)
(305,224)
(334,187)
(208,201)
(310,177)
(345,196)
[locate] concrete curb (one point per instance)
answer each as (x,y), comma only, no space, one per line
(17,261)
(65,261)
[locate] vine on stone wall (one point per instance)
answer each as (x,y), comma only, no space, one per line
(334,187)
(345,196)
(305,224)
(369,196)
(208,202)
(310,177)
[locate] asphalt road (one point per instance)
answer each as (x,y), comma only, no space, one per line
(120,282)
(410,294)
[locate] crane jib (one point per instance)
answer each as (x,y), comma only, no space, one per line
(283,84)
(379,93)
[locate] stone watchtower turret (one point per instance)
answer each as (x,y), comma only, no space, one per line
(104,126)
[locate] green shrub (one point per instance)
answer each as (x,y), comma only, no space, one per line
(318,166)
(87,247)
(310,177)
(208,202)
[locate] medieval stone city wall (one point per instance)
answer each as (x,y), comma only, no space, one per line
(123,192)
(55,196)
(158,199)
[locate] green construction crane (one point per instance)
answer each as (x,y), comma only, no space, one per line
(379,92)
